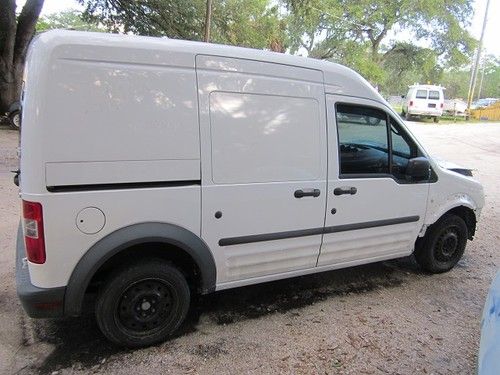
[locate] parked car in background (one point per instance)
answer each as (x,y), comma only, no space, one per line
(14,115)
(482,103)
(455,107)
(424,101)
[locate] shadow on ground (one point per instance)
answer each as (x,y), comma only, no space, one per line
(80,345)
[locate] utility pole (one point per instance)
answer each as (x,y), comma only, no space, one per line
(471,75)
(481,81)
(478,57)
(208,19)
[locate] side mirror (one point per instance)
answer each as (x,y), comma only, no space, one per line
(418,169)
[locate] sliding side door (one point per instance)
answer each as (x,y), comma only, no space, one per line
(263,142)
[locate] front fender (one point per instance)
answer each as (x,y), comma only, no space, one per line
(438,209)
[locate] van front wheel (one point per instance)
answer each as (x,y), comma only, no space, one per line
(142,304)
(443,245)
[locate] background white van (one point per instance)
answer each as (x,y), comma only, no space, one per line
(423,101)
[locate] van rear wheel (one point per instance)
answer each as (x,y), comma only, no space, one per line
(443,245)
(142,304)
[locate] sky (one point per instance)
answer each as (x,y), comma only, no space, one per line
(490,43)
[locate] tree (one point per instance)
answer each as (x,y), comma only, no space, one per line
(250,23)
(69,19)
(405,64)
(15,36)
(456,80)
(176,18)
(491,81)
(362,34)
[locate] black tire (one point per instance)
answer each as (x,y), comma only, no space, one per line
(443,245)
(407,117)
(436,119)
(15,120)
(142,304)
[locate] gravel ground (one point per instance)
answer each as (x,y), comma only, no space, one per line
(382,318)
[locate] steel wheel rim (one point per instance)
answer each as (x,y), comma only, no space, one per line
(447,244)
(145,306)
(16,120)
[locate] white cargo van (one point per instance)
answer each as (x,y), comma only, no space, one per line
(155,169)
(424,101)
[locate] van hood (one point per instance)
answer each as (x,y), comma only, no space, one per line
(453,167)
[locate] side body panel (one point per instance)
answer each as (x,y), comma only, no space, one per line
(96,113)
(65,244)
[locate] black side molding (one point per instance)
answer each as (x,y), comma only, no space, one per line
(269,236)
(314,231)
(120,185)
(372,224)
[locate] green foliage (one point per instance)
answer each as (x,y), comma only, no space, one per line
(363,35)
(177,18)
(249,23)
(405,64)
(70,19)
(393,43)
(457,80)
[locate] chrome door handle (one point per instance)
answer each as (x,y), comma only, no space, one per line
(307,193)
(345,190)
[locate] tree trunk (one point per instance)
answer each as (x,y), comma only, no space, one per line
(14,41)
(10,88)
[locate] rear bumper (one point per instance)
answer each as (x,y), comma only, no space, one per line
(37,302)
(424,112)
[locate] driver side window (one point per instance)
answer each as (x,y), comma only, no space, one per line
(403,149)
(368,146)
(362,134)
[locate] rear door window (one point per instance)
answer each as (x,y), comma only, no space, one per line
(434,94)
(421,94)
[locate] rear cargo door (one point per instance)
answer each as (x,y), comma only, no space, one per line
(263,152)
(420,101)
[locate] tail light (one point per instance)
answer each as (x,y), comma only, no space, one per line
(33,232)
(411,103)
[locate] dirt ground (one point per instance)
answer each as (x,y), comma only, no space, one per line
(384,318)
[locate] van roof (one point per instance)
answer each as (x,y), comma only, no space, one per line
(427,87)
(337,78)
